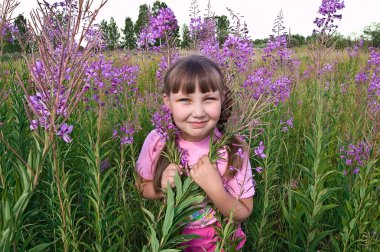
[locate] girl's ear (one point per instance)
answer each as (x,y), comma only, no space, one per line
(166,100)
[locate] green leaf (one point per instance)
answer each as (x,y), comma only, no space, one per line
(40,247)
(149,214)
(178,186)
(153,240)
(168,221)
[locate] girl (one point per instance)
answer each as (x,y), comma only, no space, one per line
(194,92)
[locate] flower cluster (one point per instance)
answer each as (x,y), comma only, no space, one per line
(164,24)
(56,88)
(354,156)
(287,124)
(64,132)
(372,74)
(328,10)
(163,66)
(108,80)
(261,84)
(259,150)
(125,132)
(9,31)
(277,54)
(40,104)
(162,121)
(161,27)
(353,52)
(274,43)
(327,68)
(202,30)
(238,51)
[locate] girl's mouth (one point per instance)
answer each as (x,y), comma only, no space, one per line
(198,125)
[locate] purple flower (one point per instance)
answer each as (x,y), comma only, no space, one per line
(125,132)
(259,169)
(163,123)
(259,150)
(355,155)
(34,125)
(361,78)
(115,133)
(163,27)
(287,124)
(237,51)
(240,153)
(328,10)
(104,165)
(64,132)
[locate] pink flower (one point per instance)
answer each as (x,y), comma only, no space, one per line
(65,131)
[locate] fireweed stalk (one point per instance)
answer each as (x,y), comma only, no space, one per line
(370,77)
(111,89)
(6,10)
(314,202)
(66,38)
(159,35)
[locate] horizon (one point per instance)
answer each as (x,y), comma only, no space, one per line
(260,21)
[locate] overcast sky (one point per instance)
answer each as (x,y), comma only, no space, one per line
(258,14)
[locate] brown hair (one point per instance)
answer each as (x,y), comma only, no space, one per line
(186,74)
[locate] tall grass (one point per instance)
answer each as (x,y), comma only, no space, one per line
(303,200)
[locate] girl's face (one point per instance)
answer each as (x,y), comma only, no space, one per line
(196,114)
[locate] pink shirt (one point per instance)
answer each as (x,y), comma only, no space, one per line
(240,186)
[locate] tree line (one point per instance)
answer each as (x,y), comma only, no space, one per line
(126,37)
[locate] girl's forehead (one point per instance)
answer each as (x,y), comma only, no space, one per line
(196,93)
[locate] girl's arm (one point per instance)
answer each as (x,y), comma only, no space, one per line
(147,187)
(225,203)
(147,190)
(208,178)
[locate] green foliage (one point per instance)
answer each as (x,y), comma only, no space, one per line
(157,5)
(303,201)
(186,39)
(222,28)
(129,36)
(142,19)
(372,32)
(296,40)
(111,33)
(164,231)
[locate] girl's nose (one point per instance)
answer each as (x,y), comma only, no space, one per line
(198,110)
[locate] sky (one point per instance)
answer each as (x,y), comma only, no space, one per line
(258,14)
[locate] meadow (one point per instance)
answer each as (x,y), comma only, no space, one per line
(68,152)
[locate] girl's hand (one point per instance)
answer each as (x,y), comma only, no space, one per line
(206,175)
(168,175)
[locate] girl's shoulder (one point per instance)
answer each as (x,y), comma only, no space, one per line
(155,140)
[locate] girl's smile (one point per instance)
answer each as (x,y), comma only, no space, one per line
(196,114)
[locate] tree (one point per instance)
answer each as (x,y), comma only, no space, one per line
(104,29)
(186,40)
(222,28)
(129,36)
(157,5)
(113,34)
(372,32)
(296,40)
(142,19)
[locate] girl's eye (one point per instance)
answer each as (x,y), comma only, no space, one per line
(210,99)
(184,100)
